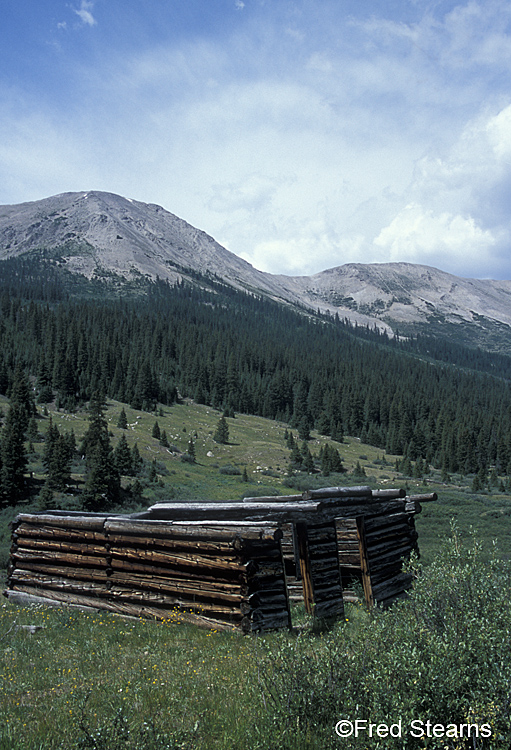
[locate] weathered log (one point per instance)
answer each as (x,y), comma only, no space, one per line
(389,493)
(25,554)
(338,492)
(208,531)
(48,532)
(93,522)
(60,546)
(122,608)
(228,575)
(428,497)
(80,574)
(153,557)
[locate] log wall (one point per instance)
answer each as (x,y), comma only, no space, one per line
(216,574)
(223,564)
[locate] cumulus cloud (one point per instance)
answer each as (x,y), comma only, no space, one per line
(418,235)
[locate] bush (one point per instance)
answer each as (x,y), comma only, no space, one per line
(230,470)
(441,655)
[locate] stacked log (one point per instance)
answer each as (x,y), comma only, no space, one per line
(373,547)
(319,567)
(216,574)
(222,564)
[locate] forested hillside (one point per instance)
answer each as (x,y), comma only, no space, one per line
(241,353)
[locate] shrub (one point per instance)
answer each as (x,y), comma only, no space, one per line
(441,655)
(230,470)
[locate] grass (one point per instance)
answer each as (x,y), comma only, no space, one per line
(96,681)
(94,676)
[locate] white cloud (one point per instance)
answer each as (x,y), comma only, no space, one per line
(297,143)
(85,12)
(418,235)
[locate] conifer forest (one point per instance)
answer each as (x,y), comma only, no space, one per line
(420,397)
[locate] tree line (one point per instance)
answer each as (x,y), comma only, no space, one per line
(242,353)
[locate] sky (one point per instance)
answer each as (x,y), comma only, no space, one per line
(300,134)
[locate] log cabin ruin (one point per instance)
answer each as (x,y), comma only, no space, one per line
(223,565)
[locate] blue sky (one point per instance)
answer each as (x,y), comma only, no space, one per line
(301,135)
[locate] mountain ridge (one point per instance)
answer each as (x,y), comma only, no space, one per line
(96,233)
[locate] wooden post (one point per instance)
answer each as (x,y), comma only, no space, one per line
(364,561)
(305,567)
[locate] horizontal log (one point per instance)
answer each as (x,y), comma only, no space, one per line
(25,554)
(401,581)
(192,587)
(122,608)
(379,546)
(329,609)
(198,530)
(61,546)
(228,575)
(391,556)
(220,609)
(79,574)
(192,560)
(94,522)
(43,580)
(428,497)
(391,519)
(264,623)
(338,492)
(275,499)
(42,531)
(223,548)
(389,493)
(390,533)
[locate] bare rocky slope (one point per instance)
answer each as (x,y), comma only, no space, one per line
(99,234)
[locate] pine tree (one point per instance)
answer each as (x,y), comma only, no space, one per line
(191,450)
(221,434)
(156,431)
(137,462)
(13,456)
(122,422)
(164,439)
(153,474)
(122,457)
(57,455)
(307,459)
(102,481)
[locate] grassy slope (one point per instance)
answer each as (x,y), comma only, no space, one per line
(165,683)
(258,444)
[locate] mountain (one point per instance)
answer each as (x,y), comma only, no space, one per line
(103,236)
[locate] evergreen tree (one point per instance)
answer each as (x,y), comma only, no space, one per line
(307,459)
(191,450)
(156,431)
(57,456)
(359,470)
(102,481)
(122,457)
(13,457)
(122,422)
(137,462)
(221,434)
(164,439)
(153,474)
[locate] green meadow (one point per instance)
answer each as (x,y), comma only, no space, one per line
(92,680)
